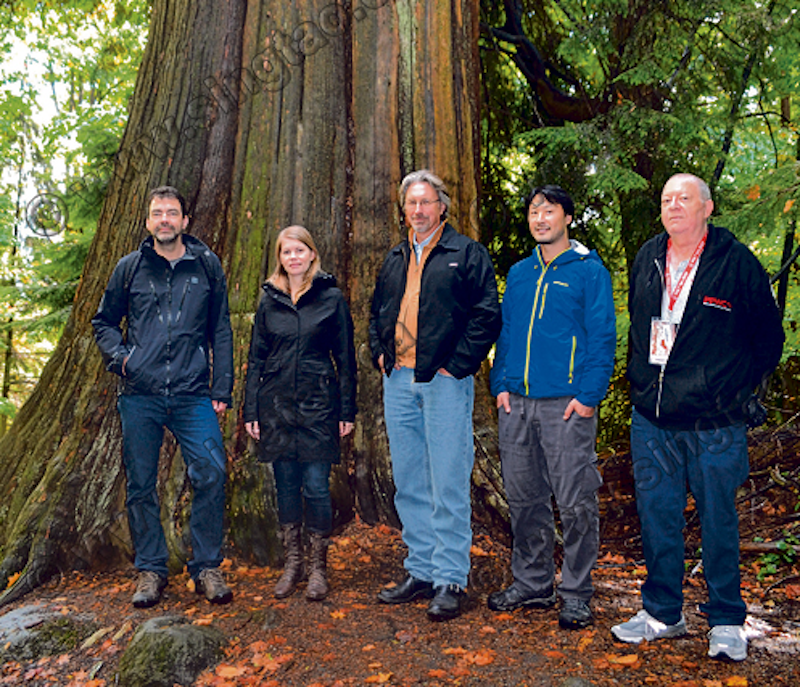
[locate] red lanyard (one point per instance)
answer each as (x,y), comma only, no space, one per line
(674,295)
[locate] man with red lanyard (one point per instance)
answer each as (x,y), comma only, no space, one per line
(705,331)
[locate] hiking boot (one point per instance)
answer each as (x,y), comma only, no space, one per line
(644,627)
(293,571)
(211,582)
(727,642)
(317,588)
(149,586)
(511,598)
(575,614)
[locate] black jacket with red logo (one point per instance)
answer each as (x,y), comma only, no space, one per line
(729,339)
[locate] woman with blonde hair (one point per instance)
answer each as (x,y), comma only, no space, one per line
(300,398)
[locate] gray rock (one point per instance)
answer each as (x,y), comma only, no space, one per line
(576,682)
(30,632)
(167,651)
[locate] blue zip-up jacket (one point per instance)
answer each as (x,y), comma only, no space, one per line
(559,332)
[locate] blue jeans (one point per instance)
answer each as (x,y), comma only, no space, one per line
(430,438)
(296,481)
(194,423)
(714,463)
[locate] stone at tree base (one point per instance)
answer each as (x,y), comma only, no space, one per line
(167,651)
(31,632)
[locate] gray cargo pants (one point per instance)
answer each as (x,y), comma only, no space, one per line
(543,455)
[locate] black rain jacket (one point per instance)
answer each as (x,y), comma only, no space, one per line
(177,319)
(459,314)
(729,339)
(301,372)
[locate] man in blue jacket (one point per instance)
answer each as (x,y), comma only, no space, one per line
(172,294)
(555,356)
(705,331)
(434,317)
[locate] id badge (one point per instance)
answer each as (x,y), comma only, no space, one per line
(662,337)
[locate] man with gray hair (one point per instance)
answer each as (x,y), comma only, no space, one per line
(435,315)
(705,331)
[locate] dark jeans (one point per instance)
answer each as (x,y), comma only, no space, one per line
(298,481)
(713,463)
(194,423)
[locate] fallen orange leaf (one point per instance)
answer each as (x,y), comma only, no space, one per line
(736,681)
(554,654)
(379,678)
(631,660)
(259,646)
(229,671)
(437,673)
(483,657)
(454,651)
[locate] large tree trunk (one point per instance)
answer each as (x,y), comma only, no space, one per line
(263,113)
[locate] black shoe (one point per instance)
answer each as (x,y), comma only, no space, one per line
(512,598)
(405,592)
(575,614)
(449,602)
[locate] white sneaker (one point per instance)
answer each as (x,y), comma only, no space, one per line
(644,626)
(727,641)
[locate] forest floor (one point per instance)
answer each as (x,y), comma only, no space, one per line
(351,639)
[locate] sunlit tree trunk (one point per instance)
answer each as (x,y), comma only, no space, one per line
(263,113)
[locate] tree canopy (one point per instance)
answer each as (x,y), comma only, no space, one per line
(609,98)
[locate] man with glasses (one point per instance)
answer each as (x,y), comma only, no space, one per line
(173,296)
(435,315)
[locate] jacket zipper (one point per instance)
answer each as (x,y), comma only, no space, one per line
(530,331)
(663,367)
(183,299)
(572,358)
(541,314)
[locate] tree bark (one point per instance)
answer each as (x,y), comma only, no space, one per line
(263,114)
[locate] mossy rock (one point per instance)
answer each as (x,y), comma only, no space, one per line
(169,650)
(53,636)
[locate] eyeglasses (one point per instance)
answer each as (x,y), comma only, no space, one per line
(414,204)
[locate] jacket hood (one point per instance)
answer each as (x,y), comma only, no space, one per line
(576,251)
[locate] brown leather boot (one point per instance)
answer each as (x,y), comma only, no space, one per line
(293,571)
(317,588)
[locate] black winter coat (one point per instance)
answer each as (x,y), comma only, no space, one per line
(459,313)
(176,316)
(730,336)
(301,373)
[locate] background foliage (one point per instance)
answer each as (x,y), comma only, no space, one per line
(608,98)
(67,71)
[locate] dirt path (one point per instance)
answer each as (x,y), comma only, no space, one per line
(349,639)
